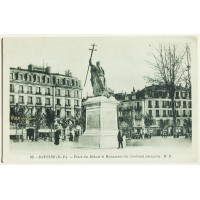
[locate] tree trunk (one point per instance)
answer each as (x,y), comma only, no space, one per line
(173,111)
(51,136)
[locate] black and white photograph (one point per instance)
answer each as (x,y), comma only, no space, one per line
(100,99)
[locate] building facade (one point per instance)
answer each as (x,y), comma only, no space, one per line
(155,102)
(36,87)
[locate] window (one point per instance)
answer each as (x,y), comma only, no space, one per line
(190,104)
(76,103)
(29,90)
(76,94)
(30,111)
(178,122)
(20,77)
(58,101)
(21,88)
(12,100)
(157,104)
(38,78)
(149,104)
(184,113)
(68,83)
(11,76)
(183,94)
(157,113)
(58,113)
(58,81)
(21,99)
(48,80)
(58,92)
(47,101)
(184,104)
(177,113)
(164,113)
(68,103)
(150,112)
(68,93)
(190,113)
(170,113)
(164,104)
(29,78)
(12,88)
(38,100)
(68,113)
(30,100)
(38,90)
(177,95)
(47,91)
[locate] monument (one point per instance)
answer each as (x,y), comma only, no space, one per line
(101,112)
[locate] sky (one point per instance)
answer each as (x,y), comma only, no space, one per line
(123,58)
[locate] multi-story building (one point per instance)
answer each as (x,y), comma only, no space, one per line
(36,87)
(155,101)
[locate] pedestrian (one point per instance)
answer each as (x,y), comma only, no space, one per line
(70,137)
(120,139)
(57,136)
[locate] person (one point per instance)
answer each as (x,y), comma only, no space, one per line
(57,136)
(98,80)
(120,139)
(70,137)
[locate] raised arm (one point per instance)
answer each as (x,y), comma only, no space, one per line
(90,62)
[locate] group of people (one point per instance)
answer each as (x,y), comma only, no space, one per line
(72,137)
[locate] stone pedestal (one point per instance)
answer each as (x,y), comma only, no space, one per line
(101,123)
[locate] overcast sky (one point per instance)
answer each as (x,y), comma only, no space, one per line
(123,58)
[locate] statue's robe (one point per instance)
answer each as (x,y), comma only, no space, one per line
(98,80)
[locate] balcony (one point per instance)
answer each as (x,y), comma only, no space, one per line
(184,106)
(12,91)
(38,93)
(57,94)
(138,117)
(68,106)
(12,102)
(138,108)
(22,102)
(29,103)
(149,106)
(67,95)
(38,104)
(156,106)
(184,115)
(29,92)
(47,93)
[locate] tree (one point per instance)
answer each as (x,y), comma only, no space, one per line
(38,120)
(188,68)
(64,123)
(148,121)
(18,116)
(187,124)
(126,120)
(163,124)
(50,117)
(169,72)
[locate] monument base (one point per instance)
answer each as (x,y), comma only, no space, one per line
(99,140)
(101,123)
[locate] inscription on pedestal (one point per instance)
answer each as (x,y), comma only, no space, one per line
(93,119)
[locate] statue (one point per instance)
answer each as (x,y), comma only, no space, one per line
(98,80)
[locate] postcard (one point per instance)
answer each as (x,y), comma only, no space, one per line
(99,99)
